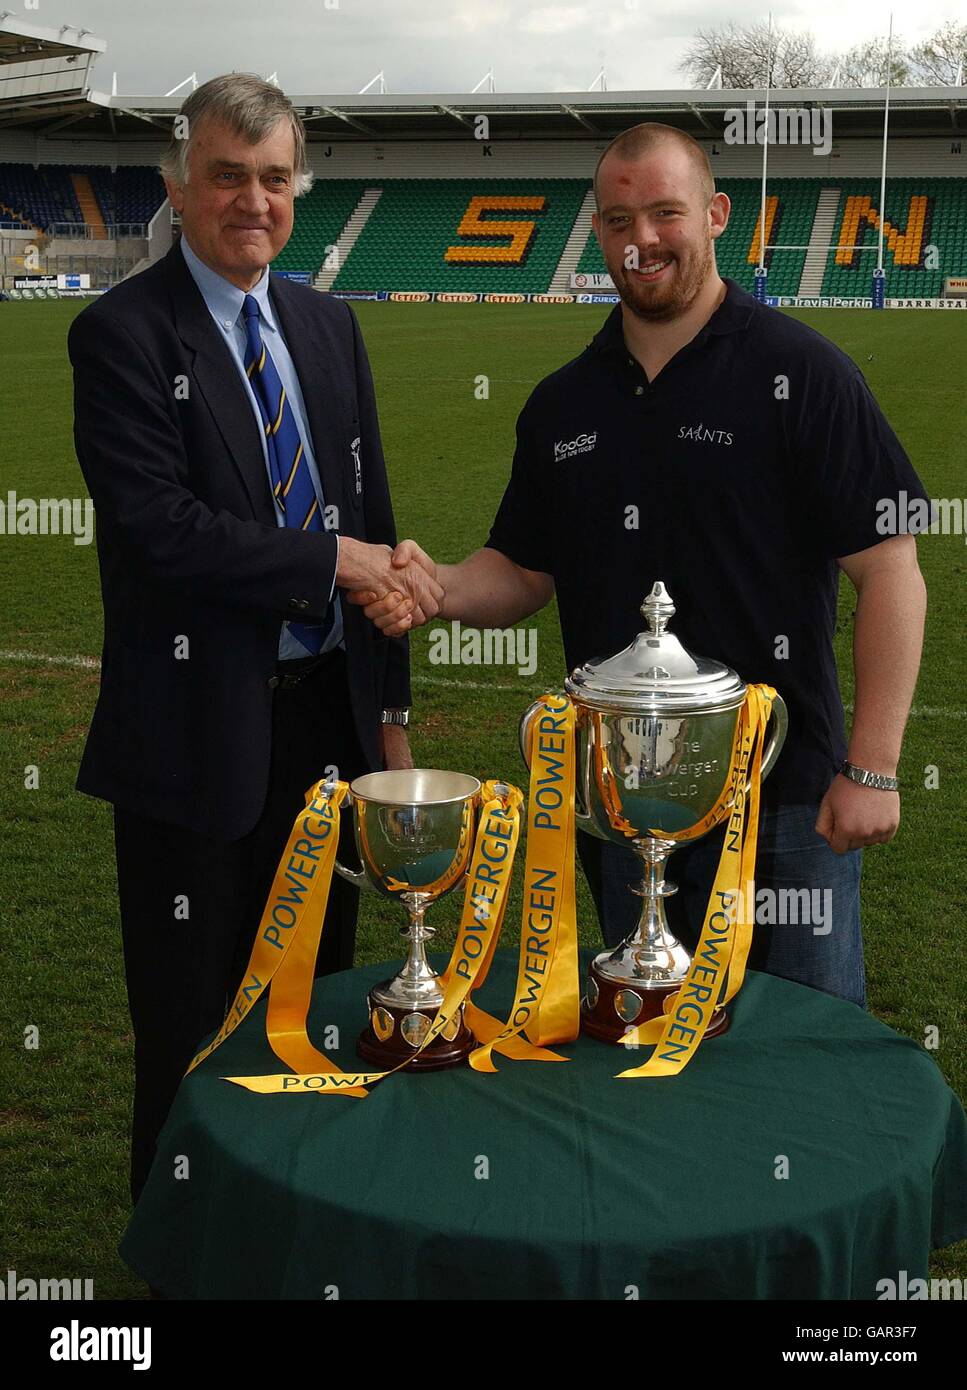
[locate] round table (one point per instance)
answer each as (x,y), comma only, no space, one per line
(810,1152)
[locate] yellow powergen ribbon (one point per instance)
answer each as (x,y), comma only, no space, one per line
(546,1004)
(718,966)
(483,911)
(284,953)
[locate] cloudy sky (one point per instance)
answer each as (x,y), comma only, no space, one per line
(336,46)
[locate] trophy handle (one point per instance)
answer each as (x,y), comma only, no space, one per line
(357,877)
(477,803)
(780,723)
(524,730)
(582,819)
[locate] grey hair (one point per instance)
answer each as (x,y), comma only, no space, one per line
(251,108)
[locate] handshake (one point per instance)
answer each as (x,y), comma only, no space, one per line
(397,589)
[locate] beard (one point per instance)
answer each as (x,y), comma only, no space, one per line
(672,295)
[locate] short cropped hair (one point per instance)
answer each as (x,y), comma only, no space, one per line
(641,139)
(251,108)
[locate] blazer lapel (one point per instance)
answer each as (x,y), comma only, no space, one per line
(221,385)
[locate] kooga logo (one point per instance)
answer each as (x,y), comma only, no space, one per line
(582,445)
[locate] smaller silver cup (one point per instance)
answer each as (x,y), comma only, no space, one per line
(415,831)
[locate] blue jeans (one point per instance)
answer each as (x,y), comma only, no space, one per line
(807,919)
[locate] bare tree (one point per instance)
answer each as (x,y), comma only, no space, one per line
(744,52)
(802,65)
(941,60)
(864,65)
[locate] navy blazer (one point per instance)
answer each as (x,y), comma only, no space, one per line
(191,559)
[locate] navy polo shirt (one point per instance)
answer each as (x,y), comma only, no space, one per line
(754,459)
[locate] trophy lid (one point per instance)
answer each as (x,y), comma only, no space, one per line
(656,675)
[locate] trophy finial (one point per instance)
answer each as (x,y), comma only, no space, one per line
(658,609)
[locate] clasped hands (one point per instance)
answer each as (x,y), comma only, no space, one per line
(397,589)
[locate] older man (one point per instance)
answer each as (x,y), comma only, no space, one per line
(738,456)
(226,426)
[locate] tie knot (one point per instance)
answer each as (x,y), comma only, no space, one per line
(250,307)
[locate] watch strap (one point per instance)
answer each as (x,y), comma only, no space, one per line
(865,778)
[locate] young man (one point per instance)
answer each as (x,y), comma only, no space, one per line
(752,455)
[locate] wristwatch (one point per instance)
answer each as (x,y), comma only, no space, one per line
(870,779)
(395,716)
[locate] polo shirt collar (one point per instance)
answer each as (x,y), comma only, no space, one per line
(225,300)
(733,313)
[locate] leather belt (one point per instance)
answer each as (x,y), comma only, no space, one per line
(292,673)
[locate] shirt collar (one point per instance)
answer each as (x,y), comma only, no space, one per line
(733,313)
(225,300)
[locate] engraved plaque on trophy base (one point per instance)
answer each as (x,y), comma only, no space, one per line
(610,1007)
(395,1032)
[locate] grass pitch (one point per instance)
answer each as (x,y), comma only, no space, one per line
(65,1107)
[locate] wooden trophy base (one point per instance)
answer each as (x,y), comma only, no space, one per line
(619,1006)
(393,1034)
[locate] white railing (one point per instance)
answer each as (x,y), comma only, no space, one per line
(85,231)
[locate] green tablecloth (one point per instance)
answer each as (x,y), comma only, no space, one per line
(595,1188)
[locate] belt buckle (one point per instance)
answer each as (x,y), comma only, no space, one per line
(287,680)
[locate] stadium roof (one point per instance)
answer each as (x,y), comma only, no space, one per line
(45,74)
(46,88)
(20,41)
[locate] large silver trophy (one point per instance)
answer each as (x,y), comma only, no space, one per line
(415,832)
(654,733)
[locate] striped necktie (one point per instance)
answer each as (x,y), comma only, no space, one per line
(291,482)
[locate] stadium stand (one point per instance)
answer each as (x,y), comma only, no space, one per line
(38,197)
(920,212)
(132,194)
(464,234)
(319,218)
(89,206)
(508,235)
(47,195)
(485,191)
(917,210)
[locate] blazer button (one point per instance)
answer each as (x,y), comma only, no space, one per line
(273,681)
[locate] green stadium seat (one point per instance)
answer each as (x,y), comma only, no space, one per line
(920,213)
(320,216)
(413,240)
